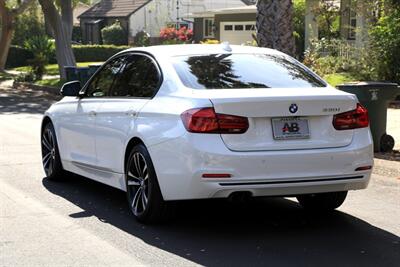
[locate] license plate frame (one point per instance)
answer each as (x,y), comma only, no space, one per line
(290,128)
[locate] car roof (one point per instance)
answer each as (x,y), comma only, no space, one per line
(200,49)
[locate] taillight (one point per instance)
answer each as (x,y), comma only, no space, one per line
(353,119)
(205,120)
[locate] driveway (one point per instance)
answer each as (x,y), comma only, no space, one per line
(81,222)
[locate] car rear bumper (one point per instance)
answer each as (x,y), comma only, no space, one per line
(180,164)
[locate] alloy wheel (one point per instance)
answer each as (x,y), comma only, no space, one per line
(48,151)
(138,183)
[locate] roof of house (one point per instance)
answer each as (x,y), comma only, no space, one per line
(78,10)
(114,8)
(230,10)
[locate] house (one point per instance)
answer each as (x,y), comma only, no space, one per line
(78,10)
(148,15)
(236,25)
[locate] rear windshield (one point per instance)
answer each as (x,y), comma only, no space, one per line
(238,71)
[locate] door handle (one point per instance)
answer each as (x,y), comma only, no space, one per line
(131,113)
(92,113)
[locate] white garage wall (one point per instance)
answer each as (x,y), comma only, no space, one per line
(237,36)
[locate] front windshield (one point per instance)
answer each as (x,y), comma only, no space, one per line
(238,71)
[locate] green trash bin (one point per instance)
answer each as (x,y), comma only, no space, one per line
(93,68)
(83,74)
(71,73)
(375,97)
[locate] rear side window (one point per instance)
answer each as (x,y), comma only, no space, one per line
(139,77)
(238,71)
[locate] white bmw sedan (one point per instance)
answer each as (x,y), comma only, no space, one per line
(171,123)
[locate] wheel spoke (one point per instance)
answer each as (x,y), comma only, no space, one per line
(137,164)
(135,202)
(46,144)
(144,168)
(46,159)
(132,179)
(51,140)
(144,199)
(50,169)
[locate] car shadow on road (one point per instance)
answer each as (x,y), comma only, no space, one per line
(266,231)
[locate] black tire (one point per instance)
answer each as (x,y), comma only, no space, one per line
(50,154)
(387,143)
(142,189)
(322,202)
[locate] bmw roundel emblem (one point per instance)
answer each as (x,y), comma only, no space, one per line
(293,108)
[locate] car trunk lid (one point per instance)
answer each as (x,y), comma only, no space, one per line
(275,114)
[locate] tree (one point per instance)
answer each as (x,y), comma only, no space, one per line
(328,17)
(9,12)
(274,23)
(61,24)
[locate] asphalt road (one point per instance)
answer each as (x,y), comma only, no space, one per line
(83,223)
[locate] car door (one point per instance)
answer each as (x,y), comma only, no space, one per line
(77,125)
(137,82)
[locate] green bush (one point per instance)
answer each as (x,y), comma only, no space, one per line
(114,34)
(91,53)
(142,38)
(41,47)
(336,56)
(385,46)
(299,12)
(18,56)
(27,25)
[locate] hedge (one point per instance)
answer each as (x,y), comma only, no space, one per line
(18,56)
(93,53)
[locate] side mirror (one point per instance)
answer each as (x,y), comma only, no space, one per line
(71,88)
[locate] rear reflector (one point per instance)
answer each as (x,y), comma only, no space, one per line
(364,168)
(216,175)
(353,119)
(205,120)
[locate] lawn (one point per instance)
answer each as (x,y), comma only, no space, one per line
(56,82)
(339,78)
(52,69)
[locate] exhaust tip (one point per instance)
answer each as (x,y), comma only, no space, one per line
(240,196)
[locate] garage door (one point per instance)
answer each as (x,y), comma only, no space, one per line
(237,32)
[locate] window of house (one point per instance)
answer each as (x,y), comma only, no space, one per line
(239,27)
(228,27)
(352,25)
(250,27)
(209,28)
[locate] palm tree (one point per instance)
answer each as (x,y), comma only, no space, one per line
(274,23)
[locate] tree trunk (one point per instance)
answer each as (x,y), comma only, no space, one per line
(7,28)
(67,17)
(274,23)
(62,33)
(7,31)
